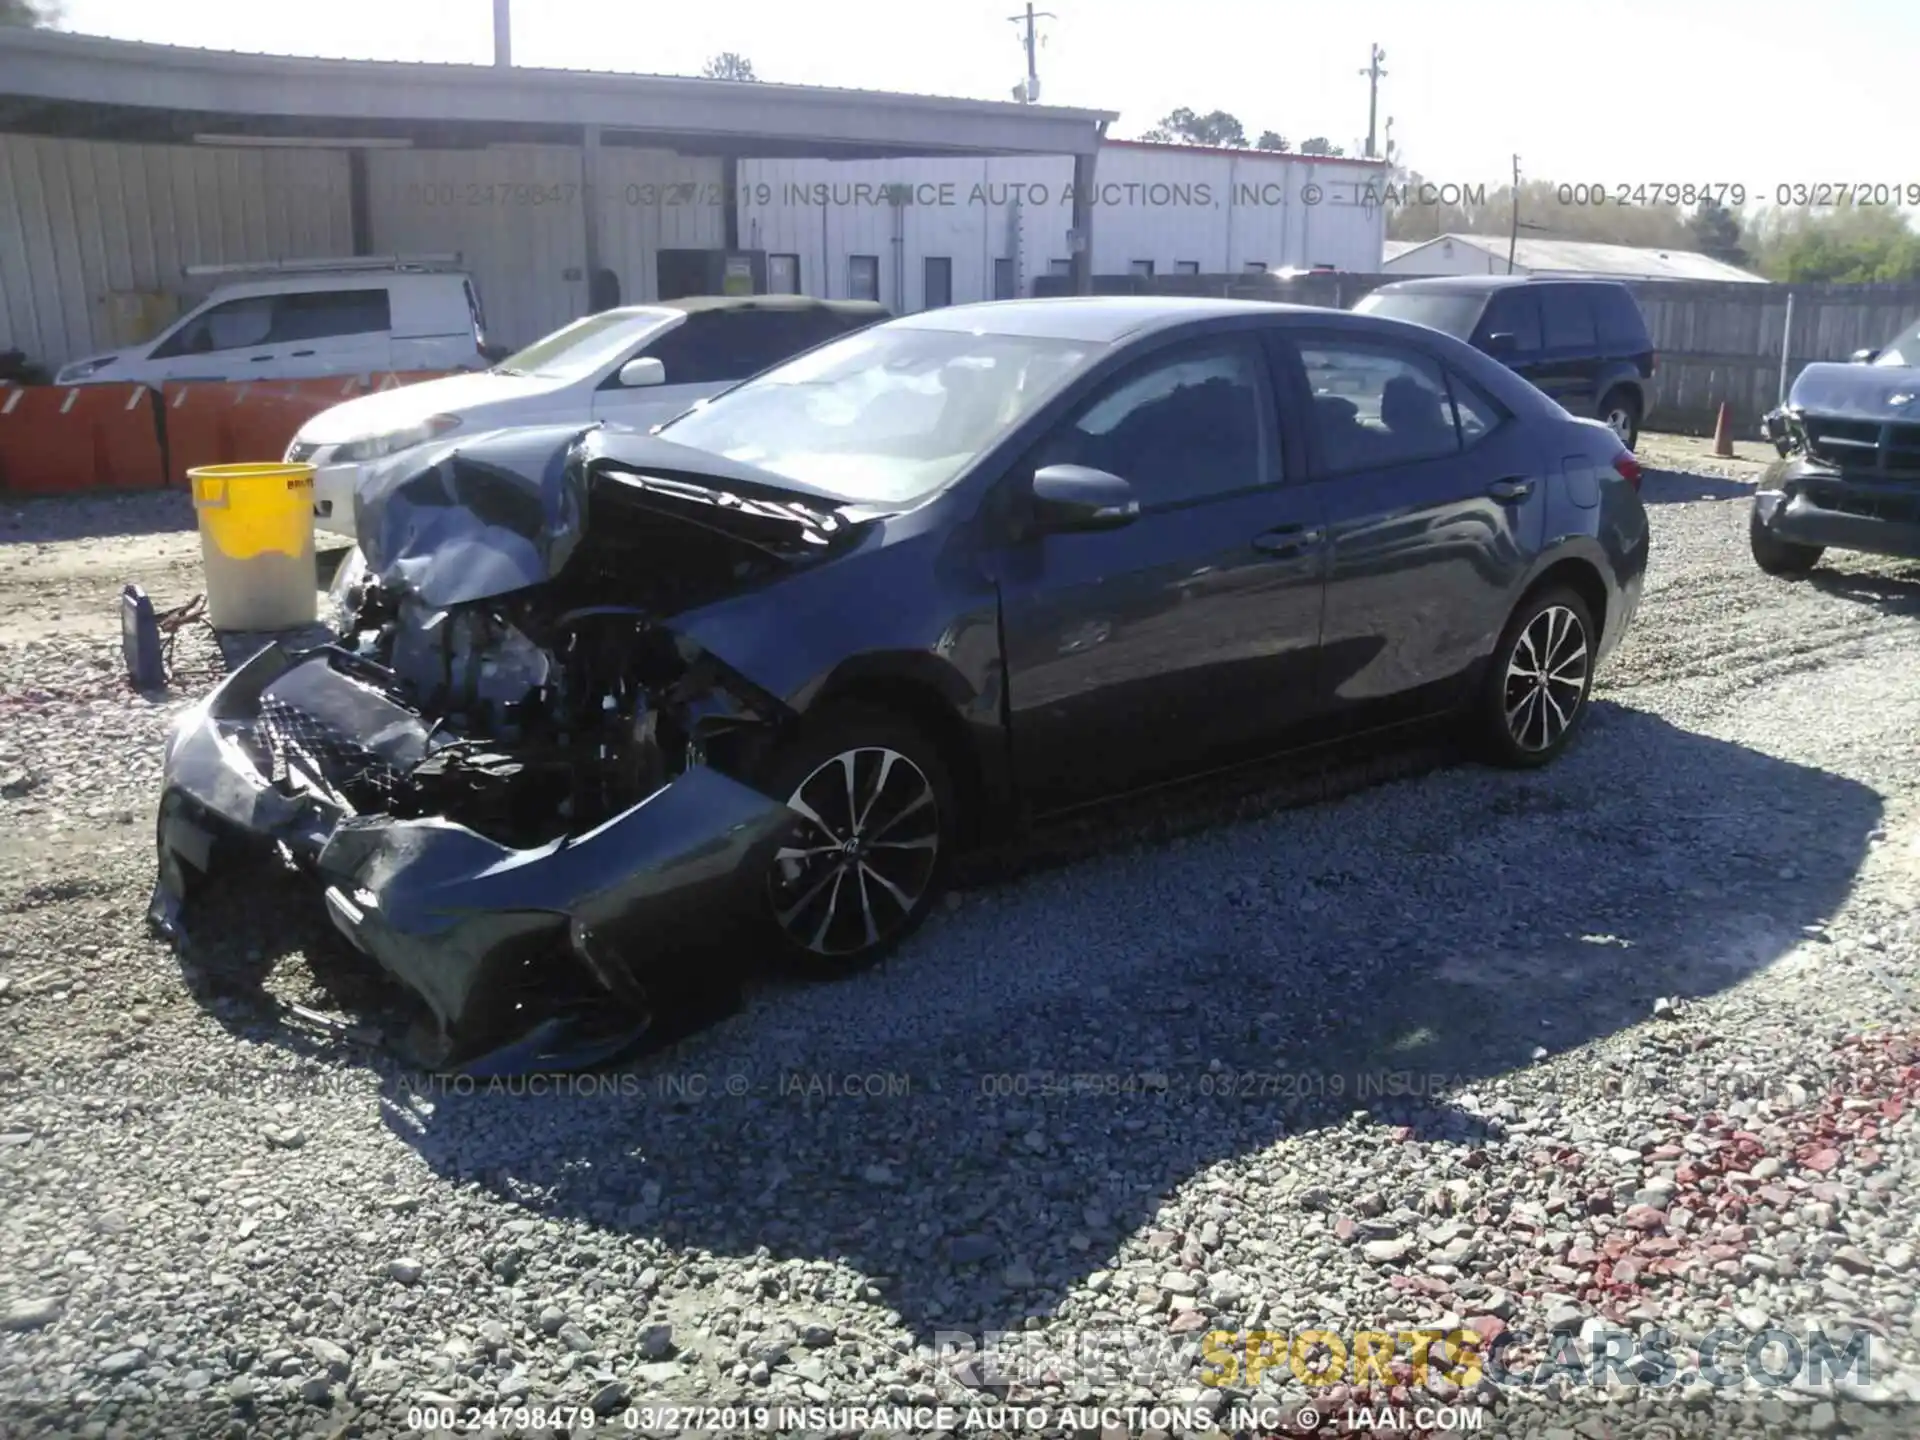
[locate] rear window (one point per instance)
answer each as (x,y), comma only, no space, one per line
(1567,318)
(1453,314)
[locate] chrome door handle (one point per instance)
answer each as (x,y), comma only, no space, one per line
(1508,490)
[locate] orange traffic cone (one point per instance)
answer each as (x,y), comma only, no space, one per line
(1723,432)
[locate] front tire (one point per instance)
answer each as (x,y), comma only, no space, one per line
(868,856)
(1777,556)
(1536,690)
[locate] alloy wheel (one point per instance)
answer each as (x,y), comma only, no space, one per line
(1620,421)
(1546,680)
(862,855)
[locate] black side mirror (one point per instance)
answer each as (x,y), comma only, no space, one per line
(1068,498)
(1864,357)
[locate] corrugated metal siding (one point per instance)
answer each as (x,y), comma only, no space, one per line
(966,211)
(1220,211)
(652,200)
(81,219)
(513,212)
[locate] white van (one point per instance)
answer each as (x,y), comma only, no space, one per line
(634,366)
(303,319)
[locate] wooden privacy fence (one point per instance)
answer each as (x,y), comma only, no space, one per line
(1717,340)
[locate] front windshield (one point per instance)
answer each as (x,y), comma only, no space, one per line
(1453,314)
(576,351)
(888,415)
(1904,349)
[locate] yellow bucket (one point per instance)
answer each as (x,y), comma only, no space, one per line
(256,542)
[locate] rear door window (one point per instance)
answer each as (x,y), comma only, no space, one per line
(1621,325)
(317,314)
(1477,412)
(1378,404)
(1514,312)
(1567,318)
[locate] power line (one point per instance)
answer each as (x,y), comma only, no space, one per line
(1031,92)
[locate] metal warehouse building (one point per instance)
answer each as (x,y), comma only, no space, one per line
(121,163)
(927,232)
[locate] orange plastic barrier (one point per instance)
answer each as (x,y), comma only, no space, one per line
(58,440)
(234,424)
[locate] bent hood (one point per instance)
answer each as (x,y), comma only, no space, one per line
(484,516)
(1887,393)
(406,405)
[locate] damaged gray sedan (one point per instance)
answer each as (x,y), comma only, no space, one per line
(606,711)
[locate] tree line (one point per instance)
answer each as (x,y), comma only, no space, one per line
(1849,244)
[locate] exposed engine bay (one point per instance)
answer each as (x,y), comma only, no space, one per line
(545,718)
(555,707)
(508,755)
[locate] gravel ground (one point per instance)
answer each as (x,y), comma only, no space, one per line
(1623,1047)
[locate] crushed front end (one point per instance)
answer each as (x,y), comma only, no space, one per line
(509,779)
(1848,476)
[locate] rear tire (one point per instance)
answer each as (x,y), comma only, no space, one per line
(869,858)
(1777,556)
(1620,409)
(1535,694)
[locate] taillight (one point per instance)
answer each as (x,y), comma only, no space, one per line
(1628,467)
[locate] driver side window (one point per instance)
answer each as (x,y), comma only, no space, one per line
(1180,427)
(236,325)
(700,350)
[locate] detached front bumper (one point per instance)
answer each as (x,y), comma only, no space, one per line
(521,955)
(1813,505)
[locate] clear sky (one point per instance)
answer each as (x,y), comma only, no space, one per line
(1757,92)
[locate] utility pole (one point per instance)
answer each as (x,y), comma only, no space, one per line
(503,33)
(1513,236)
(1374,73)
(1032,91)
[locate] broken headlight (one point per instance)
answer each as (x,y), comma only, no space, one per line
(1778,424)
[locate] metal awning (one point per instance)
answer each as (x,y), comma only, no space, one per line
(87,86)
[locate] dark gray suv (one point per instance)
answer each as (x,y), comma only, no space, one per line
(1584,342)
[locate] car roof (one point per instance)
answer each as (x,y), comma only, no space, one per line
(1481,284)
(852,309)
(1099,318)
